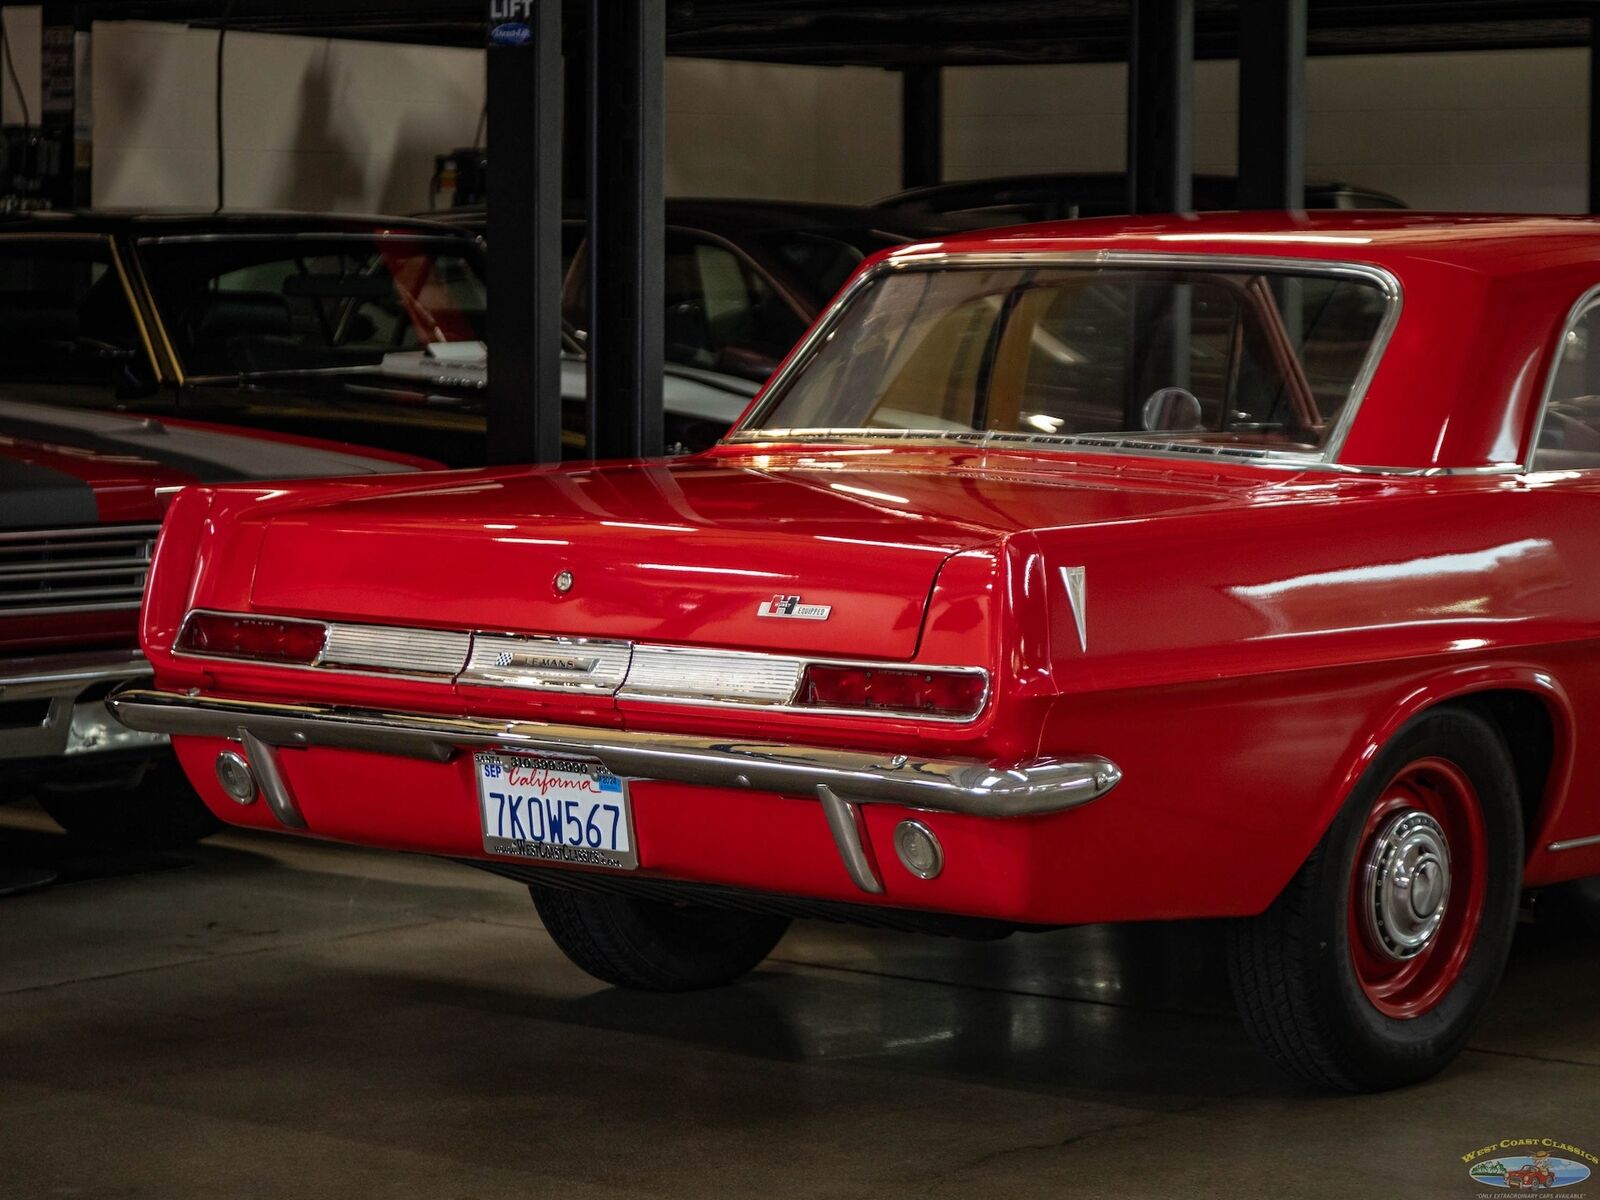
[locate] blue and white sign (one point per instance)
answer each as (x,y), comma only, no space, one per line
(510,22)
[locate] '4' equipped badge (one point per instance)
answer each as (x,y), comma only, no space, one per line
(790,606)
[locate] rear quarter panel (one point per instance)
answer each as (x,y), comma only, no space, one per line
(1242,667)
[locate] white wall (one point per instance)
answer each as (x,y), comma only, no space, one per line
(309,123)
(1503,130)
(743,129)
(353,126)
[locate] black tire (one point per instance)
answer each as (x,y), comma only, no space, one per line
(652,945)
(157,810)
(1294,977)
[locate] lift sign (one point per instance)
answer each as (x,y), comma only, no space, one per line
(508,22)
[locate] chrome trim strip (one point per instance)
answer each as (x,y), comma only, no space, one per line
(550,663)
(1576,313)
(393,648)
(1574,843)
(689,674)
(263,760)
(111,534)
(908,260)
(68,725)
(656,674)
(849,829)
(48,609)
(945,785)
(68,674)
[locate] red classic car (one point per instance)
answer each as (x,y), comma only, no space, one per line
(81,499)
(1113,570)
(1532,1176)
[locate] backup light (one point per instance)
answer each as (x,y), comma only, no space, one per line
(893,690)
(267,639)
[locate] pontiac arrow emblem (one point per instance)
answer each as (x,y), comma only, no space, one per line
(1074,578)
(791,608)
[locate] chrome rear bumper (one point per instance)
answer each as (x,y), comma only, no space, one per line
(840,779)
(43,713)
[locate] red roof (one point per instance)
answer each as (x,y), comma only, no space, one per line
(1490,243)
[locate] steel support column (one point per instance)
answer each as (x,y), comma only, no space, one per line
(1161,106)
(921,125)
(524,97)
(627,227)
(575,123)
(1594,108)
(1272,104)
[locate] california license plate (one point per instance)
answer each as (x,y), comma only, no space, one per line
(566,810)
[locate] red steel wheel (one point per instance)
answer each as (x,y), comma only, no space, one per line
(1376,960)
(1417,887)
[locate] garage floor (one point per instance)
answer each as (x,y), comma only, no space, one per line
(264,1017)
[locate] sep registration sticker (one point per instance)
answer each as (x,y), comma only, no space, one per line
(564,810)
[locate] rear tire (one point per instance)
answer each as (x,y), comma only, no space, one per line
(654,946)
(158,811)
(1341,981)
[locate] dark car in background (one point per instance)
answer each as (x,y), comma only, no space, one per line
(363,330)
(82,495)
(744,278)
(1022,199)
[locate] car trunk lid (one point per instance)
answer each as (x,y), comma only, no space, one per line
(831,557)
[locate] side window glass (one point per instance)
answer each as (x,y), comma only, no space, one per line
(720,315)
(64,314)
(1569,434)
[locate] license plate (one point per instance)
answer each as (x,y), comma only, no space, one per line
(566,810)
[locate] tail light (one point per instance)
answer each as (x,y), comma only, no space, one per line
(925,693)
(266,639)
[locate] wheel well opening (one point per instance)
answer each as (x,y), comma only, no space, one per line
(1525,723)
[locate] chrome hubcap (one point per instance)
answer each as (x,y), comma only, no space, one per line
(1407,880)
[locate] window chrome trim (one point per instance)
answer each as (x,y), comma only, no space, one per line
(616,661)
(911,259)
(379,232)
(1580,309)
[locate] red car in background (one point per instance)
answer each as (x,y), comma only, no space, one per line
(81,499)
(1229,567)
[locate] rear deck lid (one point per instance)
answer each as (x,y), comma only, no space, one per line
(688,553)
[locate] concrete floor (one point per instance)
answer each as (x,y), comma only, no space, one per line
(261,1017)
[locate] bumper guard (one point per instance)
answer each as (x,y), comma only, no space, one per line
(840,779)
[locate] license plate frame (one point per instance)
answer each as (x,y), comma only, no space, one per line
(574,797)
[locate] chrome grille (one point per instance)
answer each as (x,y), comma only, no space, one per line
(74,570)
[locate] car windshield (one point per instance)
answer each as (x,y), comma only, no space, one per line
(245,304)
(1183,356)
